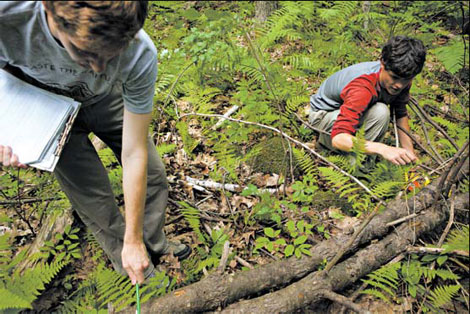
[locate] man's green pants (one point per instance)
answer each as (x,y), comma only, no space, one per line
(85,181)
(375,120)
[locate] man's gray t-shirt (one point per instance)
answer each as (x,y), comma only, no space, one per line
(27,43)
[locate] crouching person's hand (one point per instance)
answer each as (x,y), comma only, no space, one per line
(397,155)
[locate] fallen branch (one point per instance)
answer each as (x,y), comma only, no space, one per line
(335,297)
(219,186)
(353,238)
(226,115)
(29,200)
(414,102)
(435,250)
(308,291)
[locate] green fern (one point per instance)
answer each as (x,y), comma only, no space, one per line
(18,291)
(452,56)
(443,295)
(295,102)
(191,215)
(305,162)
(188,141)
(458,239)
(385,282)
(387,188)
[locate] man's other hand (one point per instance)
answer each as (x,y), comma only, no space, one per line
(397,155)
(7,158)
(135,261)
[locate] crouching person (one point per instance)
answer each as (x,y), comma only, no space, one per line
(367,95)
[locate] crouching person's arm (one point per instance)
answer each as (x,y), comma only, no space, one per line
(396,155)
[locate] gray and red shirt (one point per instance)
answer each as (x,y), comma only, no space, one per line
(353,90)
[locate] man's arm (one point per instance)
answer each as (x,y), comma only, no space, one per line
(396,155)
(405,140)
(134,164)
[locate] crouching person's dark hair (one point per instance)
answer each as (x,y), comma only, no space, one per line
(404,56)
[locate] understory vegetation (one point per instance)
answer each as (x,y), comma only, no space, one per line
(275,197)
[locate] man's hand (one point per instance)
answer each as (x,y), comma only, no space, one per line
(7,158)
(397,155)
(135,261)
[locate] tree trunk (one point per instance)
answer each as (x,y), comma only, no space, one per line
(263,9)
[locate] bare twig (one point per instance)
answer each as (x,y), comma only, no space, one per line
(29,200)
(227,114)
(449,223)
(420,145)
(434,250)
(335,297)
(351,240)
(456,261)
(243,262)
(398,221)
(434,124)
(425,131)
(308,125)
(306,147)
(224,257)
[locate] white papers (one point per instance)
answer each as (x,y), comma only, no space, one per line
(32,121)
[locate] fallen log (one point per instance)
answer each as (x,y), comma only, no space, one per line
(308,291)
(218,290)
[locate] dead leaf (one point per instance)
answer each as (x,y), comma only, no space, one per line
(272,180)
(233,263)
(179,293)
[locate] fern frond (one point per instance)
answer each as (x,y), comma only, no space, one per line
(458,239)
(295,102)
(387,188)
(452,56)
(384,279)
(9,300)
(191,215)
(376,293)
(443,295)
(305,162)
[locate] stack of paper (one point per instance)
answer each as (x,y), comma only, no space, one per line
(33,121)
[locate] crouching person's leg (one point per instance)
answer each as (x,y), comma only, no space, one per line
(324,120)
(376,121)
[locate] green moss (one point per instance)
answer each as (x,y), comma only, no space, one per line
(272,158)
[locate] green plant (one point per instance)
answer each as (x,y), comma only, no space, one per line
(386,280)
(271,242)
(19,290)
(63,247)
(298,233)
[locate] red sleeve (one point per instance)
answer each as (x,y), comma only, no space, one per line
(356,96)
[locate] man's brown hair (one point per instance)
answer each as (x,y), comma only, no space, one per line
(112,23)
